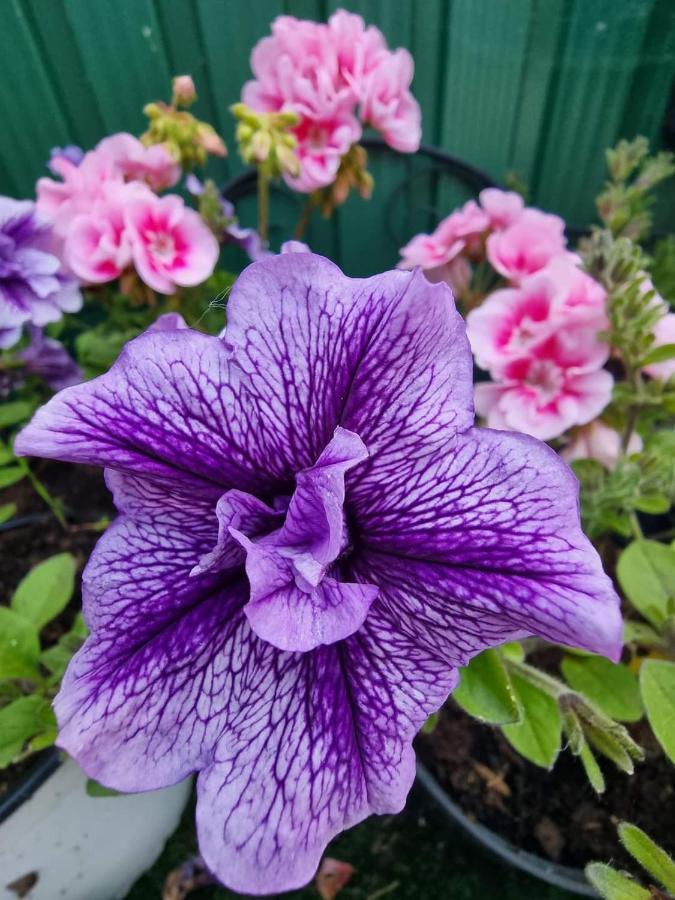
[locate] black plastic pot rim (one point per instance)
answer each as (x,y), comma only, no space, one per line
(565,877)
(45,765)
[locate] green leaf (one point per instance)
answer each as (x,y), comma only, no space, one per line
(611,686)
(94,789)
(592,769)
(27,724)
(19,646)
(16,412)
(513,650)
(537,735)
(653,504)
(659,354)
(646,572)
(657,683)
(430,725)
(651,857)
(7,510)
(10,475)
(56,658)
(46,590)
(641,633)
(6,455)
(613,885)
(485,690)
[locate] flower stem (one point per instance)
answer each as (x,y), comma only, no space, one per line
(52,502)
(263,205)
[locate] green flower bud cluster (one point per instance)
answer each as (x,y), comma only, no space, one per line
(189,140)
(265,140)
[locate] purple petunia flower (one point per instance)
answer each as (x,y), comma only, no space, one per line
(32,286)
(50,360)
(312,538)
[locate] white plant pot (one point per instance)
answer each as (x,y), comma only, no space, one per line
(82,847)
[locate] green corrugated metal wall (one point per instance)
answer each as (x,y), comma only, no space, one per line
(537,86)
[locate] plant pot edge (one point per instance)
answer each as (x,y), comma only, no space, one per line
(46,763)
(552,873)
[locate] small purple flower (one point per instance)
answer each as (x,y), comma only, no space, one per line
(71,152)
(32,286)
(312,538)
(50,360)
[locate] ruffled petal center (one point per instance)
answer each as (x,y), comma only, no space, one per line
(290,551)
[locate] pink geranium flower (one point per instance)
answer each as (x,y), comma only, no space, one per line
(170,244)
(459,232)
(503,208)
(359,48)
(560,309)
(389,106)
(545,400)
(97,248)
(80,188)
(511,323)
(136,162)
(322,72)
(526,246)
(599,441)
(321,146)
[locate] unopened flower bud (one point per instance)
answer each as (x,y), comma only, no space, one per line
(210,140)
(288,161)
(184,92)
(261,144)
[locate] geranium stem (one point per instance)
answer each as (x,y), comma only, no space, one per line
(263,205)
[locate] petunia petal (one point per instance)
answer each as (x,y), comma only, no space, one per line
(139,703)
(482,542)
(328,742)
(170,407)
(385,357)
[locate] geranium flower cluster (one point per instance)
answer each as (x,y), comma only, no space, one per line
(108,216)
(538,333)
(323,73)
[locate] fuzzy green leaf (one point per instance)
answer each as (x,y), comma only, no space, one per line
(611,686)
(646,572)
(657,684)
(651,857)
(613,885)
(537,735)
(485,690)
(592,769)
(46,590)
(19,646)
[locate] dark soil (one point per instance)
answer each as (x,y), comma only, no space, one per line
(34,534)
(552,814)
